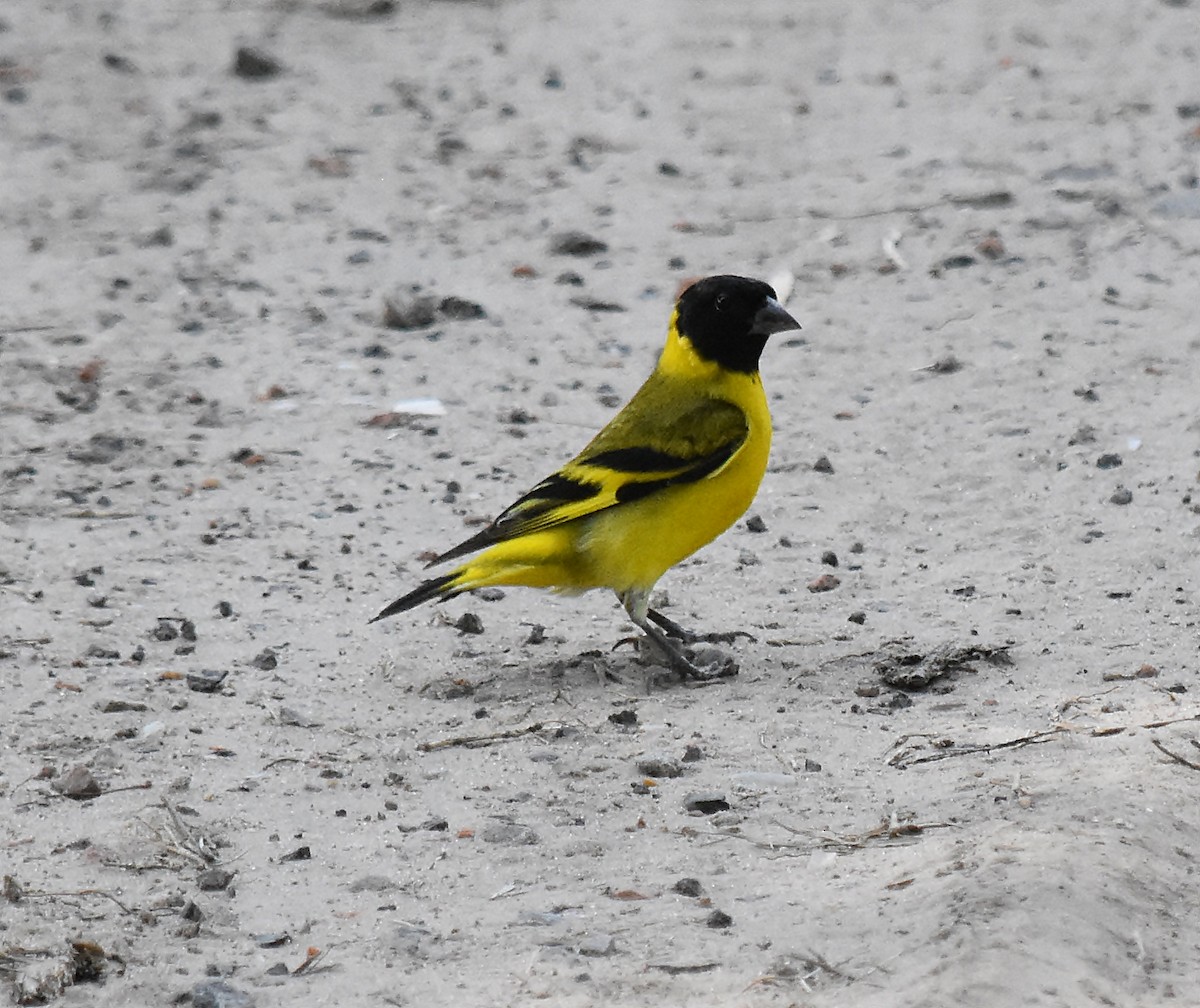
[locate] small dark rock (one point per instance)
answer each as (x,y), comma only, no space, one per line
(206,680)
(469,623)
(718,919)
(458,309)
(569,279)
(1109,460)
(945,365)
(214,879)
(1122,495)
(624,718)
(706,802)
(299,854)
(829,558)
(823,465)
(859,617)
(164,631)
(755,524)
(224,609)
(265,660)
(97,651)
(78,783)
(659,766)
(688,887)
(254,64)
(576,243)
(191,912)
(692,754)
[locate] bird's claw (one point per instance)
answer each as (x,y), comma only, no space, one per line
(718,637)
(684,636)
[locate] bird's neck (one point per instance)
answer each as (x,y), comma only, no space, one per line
(682,357)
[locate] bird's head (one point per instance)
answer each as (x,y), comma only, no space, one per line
(727,320)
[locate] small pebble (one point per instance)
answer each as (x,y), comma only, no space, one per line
(706,802)
(78,782)
(468,622)
(214,879)
(1122,495)
(253,64)
(688,887)
(299,854)
(718,919)
(659,765)
(206,680)
(576,243)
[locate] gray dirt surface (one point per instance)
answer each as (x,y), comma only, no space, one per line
(217,462)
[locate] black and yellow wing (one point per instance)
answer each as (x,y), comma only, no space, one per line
(658,440)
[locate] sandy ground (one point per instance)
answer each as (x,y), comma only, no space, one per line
(990,217)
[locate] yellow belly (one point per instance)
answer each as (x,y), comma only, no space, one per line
(633,546)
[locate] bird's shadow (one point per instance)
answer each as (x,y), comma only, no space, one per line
(614,674)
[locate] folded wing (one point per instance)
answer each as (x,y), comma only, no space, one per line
(641,453)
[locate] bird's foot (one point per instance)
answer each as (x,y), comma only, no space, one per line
(675,631)
(696,665)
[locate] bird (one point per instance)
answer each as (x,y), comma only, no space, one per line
(676,467)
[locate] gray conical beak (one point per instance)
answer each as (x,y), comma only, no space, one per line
(772,318)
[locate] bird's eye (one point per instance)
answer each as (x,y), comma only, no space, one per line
(719,303)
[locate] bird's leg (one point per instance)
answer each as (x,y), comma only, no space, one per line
(635,605)
(673,629)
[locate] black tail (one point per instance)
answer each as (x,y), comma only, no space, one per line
(439,587)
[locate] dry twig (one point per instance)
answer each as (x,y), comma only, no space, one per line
(1192,764)
(478,741)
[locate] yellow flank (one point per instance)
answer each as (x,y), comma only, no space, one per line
(688,407)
